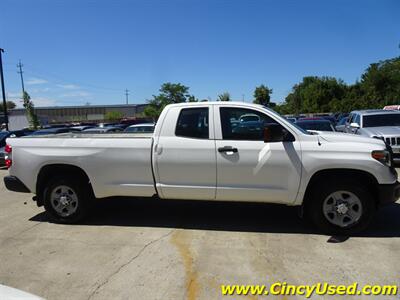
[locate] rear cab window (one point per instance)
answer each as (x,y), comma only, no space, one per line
(193,123)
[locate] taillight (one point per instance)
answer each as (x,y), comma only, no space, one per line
(8,156)
(8,148)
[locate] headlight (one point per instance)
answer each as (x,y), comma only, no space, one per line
(382,156)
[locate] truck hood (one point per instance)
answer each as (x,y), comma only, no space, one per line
(337,137)
(382,131)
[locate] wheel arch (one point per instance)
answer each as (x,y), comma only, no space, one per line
(361,176)
(51,170)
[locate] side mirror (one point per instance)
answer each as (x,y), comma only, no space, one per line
(274,133)
(354,125)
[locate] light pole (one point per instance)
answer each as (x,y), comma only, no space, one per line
(2,89)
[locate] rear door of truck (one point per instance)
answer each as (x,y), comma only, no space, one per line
(185,155)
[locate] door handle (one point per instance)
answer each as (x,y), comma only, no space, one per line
(227,149)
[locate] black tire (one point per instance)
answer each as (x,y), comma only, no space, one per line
(321,191)
(81,192)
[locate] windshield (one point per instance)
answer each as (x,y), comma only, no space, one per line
(381,120)
(342,121)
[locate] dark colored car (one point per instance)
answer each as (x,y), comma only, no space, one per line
(81,127)
(317,125)
(330,119)
(340,126)
(53,131)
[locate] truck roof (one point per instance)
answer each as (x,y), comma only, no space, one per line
(207,103)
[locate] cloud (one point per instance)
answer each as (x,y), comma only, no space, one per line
(34,80)
(43,90)
(14,95)
(69,86)
(81,94)
(42,101)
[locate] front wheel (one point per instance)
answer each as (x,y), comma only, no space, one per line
(66,200)
(342,208)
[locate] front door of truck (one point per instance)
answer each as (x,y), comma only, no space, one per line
(185,155)
(249,169)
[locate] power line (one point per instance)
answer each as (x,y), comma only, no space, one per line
(126,95)
(22,77)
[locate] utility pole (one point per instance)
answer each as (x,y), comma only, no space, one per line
(126,95)
(3,90)
(22,77)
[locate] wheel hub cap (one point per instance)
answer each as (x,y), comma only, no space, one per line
(64,200)
(342,208)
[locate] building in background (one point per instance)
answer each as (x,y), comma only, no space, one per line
(70,114)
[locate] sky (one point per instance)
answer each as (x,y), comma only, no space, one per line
(76,52)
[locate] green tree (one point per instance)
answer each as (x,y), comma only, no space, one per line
(10,105)
(30,111)
(379,86)
(192,98)
(315,94)
(169,93)
(113,115)
(224,97)
(262,95)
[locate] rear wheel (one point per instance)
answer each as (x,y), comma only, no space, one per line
(341,207)
(67,200)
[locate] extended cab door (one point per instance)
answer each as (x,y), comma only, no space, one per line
(184,154)
(249,169)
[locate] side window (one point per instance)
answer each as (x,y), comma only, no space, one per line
(243,124)
(357,119)
(193,123)
(350,119)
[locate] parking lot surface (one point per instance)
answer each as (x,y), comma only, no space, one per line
(147,249)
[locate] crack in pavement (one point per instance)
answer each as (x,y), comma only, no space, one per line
(128,262)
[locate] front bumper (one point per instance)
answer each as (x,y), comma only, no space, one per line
(388,193)
(12,183)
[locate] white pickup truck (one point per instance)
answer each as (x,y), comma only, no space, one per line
(209,151)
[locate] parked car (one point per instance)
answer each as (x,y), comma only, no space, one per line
(291,119)
(107,129)
(50,131)
(340,126)
(339,116)
(3,137)
(82,127)
(147,127)
(377,123)
(330,119)
(392,107)
(309,119)
(249,118)
(316,125)
(195,153)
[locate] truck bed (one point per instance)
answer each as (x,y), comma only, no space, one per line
(117,164)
